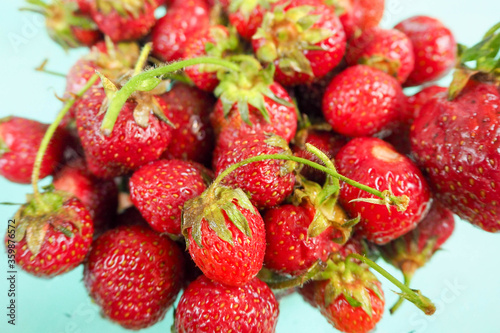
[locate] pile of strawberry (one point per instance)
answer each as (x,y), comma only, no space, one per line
(282,159)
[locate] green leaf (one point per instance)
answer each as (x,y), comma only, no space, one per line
(238,219)
(243,109)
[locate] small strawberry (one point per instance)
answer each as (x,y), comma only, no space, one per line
(20,140)
(348,295)
(225,235)
(160,189)
(123,19)
(388,50)
(138,137)
(134,275)
(172,32)
(375,163)
(215,41)
(100,197)
(302,38)
(189,108)
(246,16)
(434,47)
(210,306)
(268,182)
(53,234)
(357,16)
(362,101)
(415,102)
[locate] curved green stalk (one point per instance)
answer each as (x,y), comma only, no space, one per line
(407,280)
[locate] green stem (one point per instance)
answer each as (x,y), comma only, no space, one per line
(50,132)
(143,57)
(277,281)
(422,302)
(407,280)
(131,86)
(328,162)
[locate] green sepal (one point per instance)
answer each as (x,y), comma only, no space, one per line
(279,281)
(246,7)
(123,7)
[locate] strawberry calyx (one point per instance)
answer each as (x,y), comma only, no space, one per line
(33,219)
(246,7)
(287,34)
(340,6)
(280,281)
(124,7)
(247,86)
(479,62)
(382,63)
(61,17)
(4,148)
(215,205)
(223,46)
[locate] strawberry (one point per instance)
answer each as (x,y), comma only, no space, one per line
(172,32)
(100,197)
(375,163)
(456,143)
(362,101)
(262,107)
(20,139)
(268,182)
(247,16)
(433,45)
(388,50)
(131,144)
(302,38)
(225,235)
(84,6)
(134,275)
(188,108)
(215,41)
(123,19)
(415,102)
(348,295)
(210,306)
(160,189)
(52,236)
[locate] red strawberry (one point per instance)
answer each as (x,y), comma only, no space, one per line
(134,275)
(390,51)
(130,145)
(172,32)
(348,295)
(188,108)
(456,143)
(225,235)
(268,182)
(214,41)
(20,140)
(362,101)
(433,45)
(160,189)
(84,6)
(375,163)
(124,20)
(302,38)
(53,234)
(100,197)
(357,16)
(246,16)
(210,306)
(415,103)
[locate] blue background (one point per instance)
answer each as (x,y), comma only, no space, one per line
(463,278)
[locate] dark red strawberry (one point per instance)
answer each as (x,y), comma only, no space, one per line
(214,41)
(268,182)
(160,189)
(388,50)
(20,140)
(123,19)
(52,236)
(225,235)
(134,275)
(100,197)
(210,306)
(348,295)
(130,145)
(415,102)
(246,16)
(172,32)
(375,163)
(362,101)
(84,6)
(302,38)
(457,143)
(434,47)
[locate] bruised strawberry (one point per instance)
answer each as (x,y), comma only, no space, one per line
(362,101)
(20,140)
(211,306)
(134,275)
(267,182)
(375,163)
(434,47)
(390,51)
(53,233)
(160,189)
